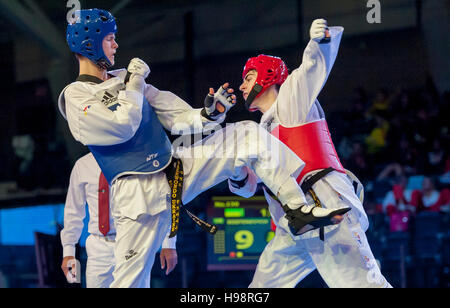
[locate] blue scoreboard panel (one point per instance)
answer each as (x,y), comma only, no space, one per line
(244,230)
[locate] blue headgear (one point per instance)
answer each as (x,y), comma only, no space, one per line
(85,36)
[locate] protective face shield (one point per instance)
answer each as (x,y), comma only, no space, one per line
(85,36)
(271,70)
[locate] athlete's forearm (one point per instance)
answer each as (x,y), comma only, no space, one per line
(176,115)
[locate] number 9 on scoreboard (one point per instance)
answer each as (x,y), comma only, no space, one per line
(244,239)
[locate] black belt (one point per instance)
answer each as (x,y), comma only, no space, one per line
(307,188)
(175,177)
(309,182)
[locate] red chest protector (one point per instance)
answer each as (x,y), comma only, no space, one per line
(312,143)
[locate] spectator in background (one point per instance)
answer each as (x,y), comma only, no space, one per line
(445,178)
(399,198)
(381,102)
(40,163)
(401,104)
(394,168)
(376,140)
(402,118)
(26,176)
(360,100)
(436,159)
(429,199)
(345,149)
(423,128)
(397,205)
(405,160)
(357,162)
(357,115)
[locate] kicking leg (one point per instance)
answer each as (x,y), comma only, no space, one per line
(225,153)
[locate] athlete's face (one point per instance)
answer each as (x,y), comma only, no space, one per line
(110,47)
(248,83)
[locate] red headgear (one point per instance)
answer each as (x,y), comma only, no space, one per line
(271,70)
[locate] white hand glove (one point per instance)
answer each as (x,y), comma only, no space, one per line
(219,103)
(138,70)
(138,67)
(74,273)
(318,30)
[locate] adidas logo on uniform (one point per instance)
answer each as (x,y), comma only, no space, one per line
(108,100)
(131,254)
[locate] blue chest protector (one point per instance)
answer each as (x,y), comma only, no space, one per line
(149,151)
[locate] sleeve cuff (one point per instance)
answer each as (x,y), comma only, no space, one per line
(238,184)
(69,251)
(206,120)
(169,243)
(248,189)
(335,30)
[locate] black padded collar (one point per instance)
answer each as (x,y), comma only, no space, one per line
(89,78)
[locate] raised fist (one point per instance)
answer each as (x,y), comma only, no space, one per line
(319,29)
(138,67)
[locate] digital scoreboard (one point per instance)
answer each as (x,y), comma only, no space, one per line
(244,230)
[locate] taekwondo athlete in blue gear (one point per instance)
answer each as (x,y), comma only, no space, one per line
(148,151)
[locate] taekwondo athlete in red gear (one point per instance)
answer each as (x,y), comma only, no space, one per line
(292,112)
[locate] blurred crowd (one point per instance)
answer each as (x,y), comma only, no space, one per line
(397,143)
